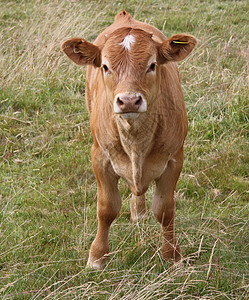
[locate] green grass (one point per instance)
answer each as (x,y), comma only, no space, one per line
(47,186)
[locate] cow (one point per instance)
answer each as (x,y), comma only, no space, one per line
(138,121)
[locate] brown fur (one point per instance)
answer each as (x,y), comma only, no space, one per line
(141,150)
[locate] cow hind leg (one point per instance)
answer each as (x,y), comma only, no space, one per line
(138,208)
(163,207)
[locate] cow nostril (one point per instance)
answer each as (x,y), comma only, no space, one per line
(139,101)
(119,102)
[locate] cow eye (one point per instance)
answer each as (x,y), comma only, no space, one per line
(152,68)
(106,69)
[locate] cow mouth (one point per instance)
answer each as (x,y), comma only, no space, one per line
(129,115)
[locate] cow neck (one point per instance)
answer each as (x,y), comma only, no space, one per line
(136,137)
(137,133)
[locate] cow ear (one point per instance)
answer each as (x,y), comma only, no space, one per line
(82,52)
(176,48)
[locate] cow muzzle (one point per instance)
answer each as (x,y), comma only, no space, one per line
(129,105)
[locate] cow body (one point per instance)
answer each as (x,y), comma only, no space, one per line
(138,121)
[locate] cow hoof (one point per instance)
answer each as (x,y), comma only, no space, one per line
(98,264)
(137,218)
(172,253)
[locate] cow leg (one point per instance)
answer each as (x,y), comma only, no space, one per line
(163,206)
(138,208)
(108,207)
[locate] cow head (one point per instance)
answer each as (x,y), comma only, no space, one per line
(130,61)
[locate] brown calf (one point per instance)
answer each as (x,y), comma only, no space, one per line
(138,121)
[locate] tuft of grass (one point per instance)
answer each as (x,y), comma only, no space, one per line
(47,187)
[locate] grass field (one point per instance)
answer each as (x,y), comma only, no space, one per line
(47,186)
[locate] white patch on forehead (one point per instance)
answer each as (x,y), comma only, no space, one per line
(128,41)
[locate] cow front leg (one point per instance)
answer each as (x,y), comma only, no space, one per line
(137,208)
(163,207)
(108,207)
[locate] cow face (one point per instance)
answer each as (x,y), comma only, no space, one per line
(129,69)
(130,62)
